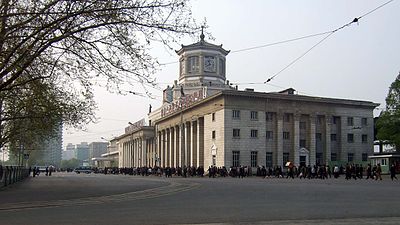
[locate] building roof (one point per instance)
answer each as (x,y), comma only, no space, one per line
(202,45)
(285,96)
(278,96)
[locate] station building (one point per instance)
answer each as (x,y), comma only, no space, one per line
(205,121)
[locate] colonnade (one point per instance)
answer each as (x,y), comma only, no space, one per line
(134,152)
(181,144)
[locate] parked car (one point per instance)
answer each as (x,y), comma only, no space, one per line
(83,169)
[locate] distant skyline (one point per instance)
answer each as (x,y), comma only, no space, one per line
(357,62)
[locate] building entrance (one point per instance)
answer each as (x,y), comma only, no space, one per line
(303,160)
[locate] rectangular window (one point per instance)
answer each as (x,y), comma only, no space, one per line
(335,119)
(320,119)
(286,157)
(254,115)
(350,121)
(384,162)
(236,114)
(269,135)
(350,138)
(254,133)
(286,117)
(333,156)
(235,158)
(364,138)
(193,64)
(318,136)
(333,137)
(286,135)
(213,117)
(268,159)
(350,157)
(213,134)
(269,116)
(236,133)
(221,66)
(364,121)
(253,157)
(302,143)
(303,125)
(364,157)
(319,158)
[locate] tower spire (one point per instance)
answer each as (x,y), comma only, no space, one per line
(202,34)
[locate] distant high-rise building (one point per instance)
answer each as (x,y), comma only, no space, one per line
(69,152)
(82,151)
(51,149)
(96,149)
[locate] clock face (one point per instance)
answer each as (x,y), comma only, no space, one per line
(209,63)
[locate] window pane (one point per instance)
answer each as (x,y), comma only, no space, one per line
(268,159)
(253,159)
(235,158)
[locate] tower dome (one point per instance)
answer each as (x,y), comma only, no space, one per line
(202,64)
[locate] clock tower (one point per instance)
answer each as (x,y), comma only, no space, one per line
(202,65)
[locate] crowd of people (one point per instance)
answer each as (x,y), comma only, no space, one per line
(349,171)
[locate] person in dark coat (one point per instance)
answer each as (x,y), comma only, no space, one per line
(393,172)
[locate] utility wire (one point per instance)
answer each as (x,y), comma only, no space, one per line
(298,38)
(265,45)
(281,42)
(298,58)
(355,20)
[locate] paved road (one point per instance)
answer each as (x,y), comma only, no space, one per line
(99,199)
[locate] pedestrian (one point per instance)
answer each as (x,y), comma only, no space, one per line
(378,172)
(336,171)
(393,171)
(369,172)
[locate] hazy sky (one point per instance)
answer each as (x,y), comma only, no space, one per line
(358,62)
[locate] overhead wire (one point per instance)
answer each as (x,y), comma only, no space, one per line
(355,20)
(327,33)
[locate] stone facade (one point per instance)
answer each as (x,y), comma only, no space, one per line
(222,126)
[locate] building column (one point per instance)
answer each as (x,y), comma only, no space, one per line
(130,155)
(200,141)
(123,164)
(171,147)
(161,149)
(164,149)
(158,149)
(296,139)
(168,147)
(312,157)
(279,139)
(134,150)
(177,147)
(188,145)
(193,152)
(182,144)
(327,138)
(138,151)
(143,154)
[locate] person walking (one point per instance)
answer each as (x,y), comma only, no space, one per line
(378,172)
(369,172)
(393,172)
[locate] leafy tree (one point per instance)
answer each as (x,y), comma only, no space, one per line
(52,52)
(71,163)
(388,124)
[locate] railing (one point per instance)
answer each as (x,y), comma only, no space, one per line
(12,174)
